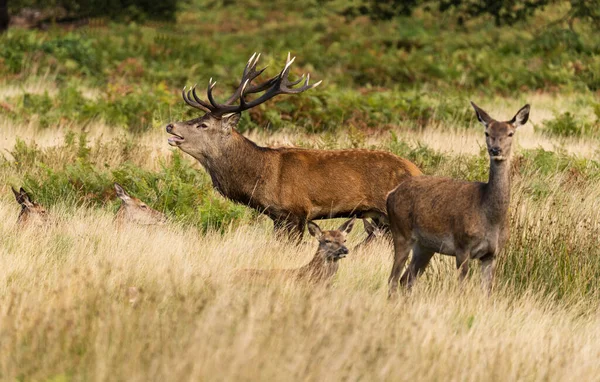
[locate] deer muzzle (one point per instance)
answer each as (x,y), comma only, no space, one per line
(175,139)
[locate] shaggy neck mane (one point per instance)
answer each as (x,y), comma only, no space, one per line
(238,171)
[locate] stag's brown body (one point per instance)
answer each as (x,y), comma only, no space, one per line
(290,185)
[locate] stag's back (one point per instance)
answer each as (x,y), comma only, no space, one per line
(340,182)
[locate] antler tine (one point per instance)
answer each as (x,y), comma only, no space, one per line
(196,105)
(250,73)
(212,100)
(200,101)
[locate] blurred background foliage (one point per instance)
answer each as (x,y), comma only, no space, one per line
(383,63)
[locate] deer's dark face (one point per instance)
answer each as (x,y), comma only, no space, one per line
(203,137)
(498,138)
(499,135)
(332,244)
(31,213)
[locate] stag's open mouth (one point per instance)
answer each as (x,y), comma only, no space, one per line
(499,157)
(175,140)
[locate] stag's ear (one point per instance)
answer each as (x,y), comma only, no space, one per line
(230,121)
(314,229)
(482,116)
(121,193)
(521,117)
(347,226)
(369,227)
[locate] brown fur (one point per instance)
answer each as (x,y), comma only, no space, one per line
(291,185)
(32,213)
(467,220)
(323,265)
(135,211)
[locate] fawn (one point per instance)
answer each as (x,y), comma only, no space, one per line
(323,265)
(31,213)
(135,211)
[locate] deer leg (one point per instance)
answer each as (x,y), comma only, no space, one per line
(290,228)
(420,260)
(402,248)
(462,265)
(488,266)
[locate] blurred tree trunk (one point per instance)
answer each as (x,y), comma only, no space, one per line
(4,17)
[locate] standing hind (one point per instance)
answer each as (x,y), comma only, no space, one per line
(467,220)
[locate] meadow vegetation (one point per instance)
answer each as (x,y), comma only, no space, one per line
(81,109)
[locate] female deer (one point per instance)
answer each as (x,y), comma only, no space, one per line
(467,220)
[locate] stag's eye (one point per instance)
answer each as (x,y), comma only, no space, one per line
(511,134)
(144,207)
(327,241)
(487,135)
(203,125)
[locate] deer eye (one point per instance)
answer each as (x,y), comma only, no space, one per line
(203,125)
(511,134)
(327,241)
(145,207)
(487,135)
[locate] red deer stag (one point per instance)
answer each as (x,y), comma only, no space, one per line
(467,220)
(290,185)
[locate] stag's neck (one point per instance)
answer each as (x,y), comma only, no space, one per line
(238,171)
(319,269)
(496,194)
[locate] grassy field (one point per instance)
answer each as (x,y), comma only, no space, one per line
(83,299)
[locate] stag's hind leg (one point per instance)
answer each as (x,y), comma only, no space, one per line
(420,260)
(402,247)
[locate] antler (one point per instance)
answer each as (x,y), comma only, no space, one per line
(280,84)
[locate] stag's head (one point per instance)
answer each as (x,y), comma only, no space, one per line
(31,213)
(332,244)
(498,135)
(135,211)
(206,136)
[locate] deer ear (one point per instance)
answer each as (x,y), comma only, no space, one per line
(16,193)
(22,197)
(229,121)
(121,193)
(347,226)
(482,116)
(369,227)
(314,229)
(521,117)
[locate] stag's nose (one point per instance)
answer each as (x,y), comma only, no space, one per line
(344,250)
(170,128)
(495,151)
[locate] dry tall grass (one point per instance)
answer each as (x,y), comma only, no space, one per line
(84,300)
